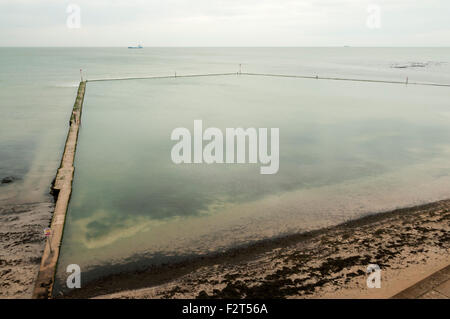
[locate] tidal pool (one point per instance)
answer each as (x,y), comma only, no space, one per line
(346,149)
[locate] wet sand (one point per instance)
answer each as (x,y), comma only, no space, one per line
(408,244)
(21,246)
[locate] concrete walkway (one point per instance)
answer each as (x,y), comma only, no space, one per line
(436,286)
(62,189)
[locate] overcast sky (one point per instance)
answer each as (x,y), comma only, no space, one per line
(225,23)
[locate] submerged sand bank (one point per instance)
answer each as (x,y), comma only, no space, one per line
(408,244)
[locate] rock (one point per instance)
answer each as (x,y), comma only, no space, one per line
(8,179)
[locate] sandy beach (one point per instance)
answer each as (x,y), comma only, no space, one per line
(21,246)
(408,244)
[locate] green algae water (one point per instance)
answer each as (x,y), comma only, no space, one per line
(346,149)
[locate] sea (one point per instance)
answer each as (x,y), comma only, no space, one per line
(346,148)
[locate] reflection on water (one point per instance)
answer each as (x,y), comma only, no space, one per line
(346,149)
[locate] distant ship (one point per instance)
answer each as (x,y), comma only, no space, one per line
(138,47)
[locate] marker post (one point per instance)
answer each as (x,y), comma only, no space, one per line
(48,234)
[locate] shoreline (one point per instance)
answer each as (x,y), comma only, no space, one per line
(408,244)
(27,260)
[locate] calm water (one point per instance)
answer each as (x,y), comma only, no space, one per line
(346,148)
(37,88)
